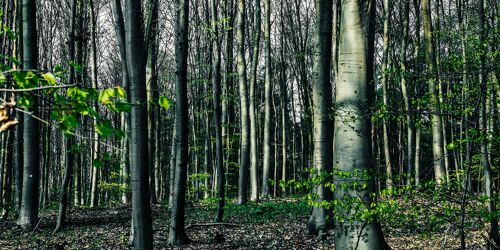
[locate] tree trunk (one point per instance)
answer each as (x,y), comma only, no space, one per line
(28,214)
(152,95)
(254,192)
(136,60)
(243,92)
(385,72)
(410,125)
(177,234)
(320,221)
(352,149)
(267,148)
(68,171)
(437,132)
(488,178)
(216,81)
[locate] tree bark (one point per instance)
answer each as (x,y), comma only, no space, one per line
(437,132)
(352,149)
(319,222)
(267,148)
(254,174)
(28,214)
(244,116)
(136,60)
(177,234)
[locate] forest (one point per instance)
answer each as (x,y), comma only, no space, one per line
(236,124)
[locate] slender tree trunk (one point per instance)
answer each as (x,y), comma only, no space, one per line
(254,176)
(488,178)
(125,119)
(216,81)
(245,126)
(410,125)
(177,234)
(28,214)
(267,148)
(385,72)
(19,116)
(437,132)
(320,221)
(152,93)
(68,139)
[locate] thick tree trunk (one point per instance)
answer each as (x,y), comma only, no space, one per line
(320,221)
(352,149)
(28,214)
(177,234)
(139,166)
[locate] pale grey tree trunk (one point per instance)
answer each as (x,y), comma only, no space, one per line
(254,167)
(177,234)
(28,214)
(267,148)
(437,132)
(384,68)
(244,116)
(320,221)
(352,147)
(94,197)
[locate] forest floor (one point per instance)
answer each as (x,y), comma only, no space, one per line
(268,225)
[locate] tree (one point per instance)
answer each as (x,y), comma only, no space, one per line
(244,116)
(177,234)
(69,139)
(267,149)
(352,146)
(254,167)
(385,69)
(322,126)
(216,81)
(437,132)
(28,214)
(139,178)
(488,183)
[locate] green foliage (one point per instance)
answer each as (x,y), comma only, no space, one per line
(164,102)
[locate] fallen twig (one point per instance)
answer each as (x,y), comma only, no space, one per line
(211,224)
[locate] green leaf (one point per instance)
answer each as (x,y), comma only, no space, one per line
(26,101)
(50,78)
(98,163)
(104,129)
(3,79)
(106,95)
(164,102)
(120,92)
